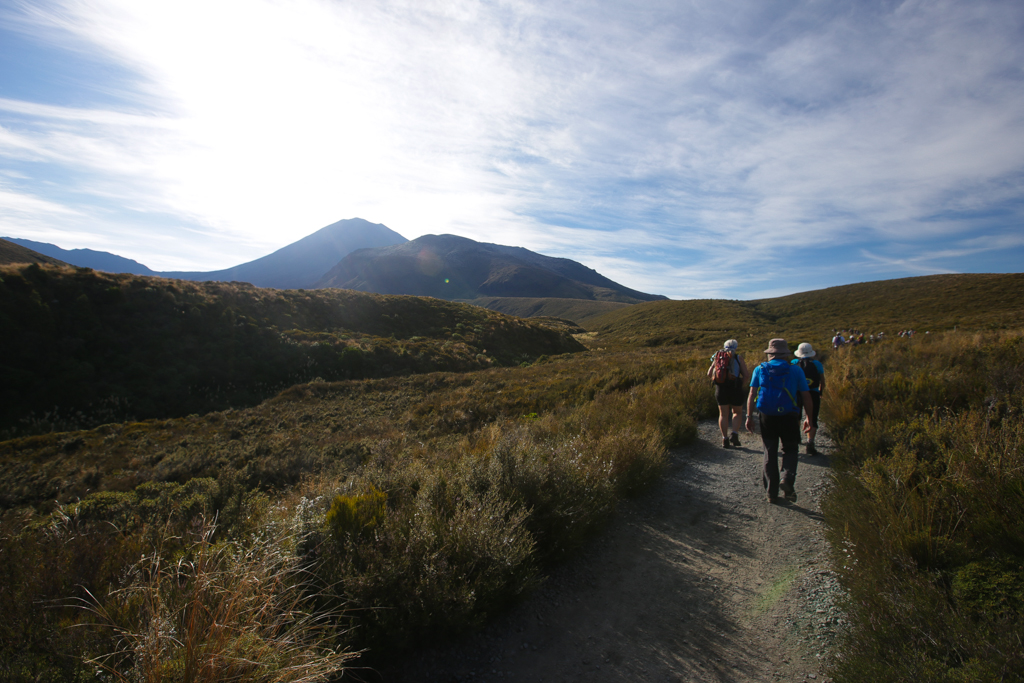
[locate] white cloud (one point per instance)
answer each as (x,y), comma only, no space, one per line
(667,130)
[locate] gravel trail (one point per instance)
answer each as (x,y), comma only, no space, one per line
(699,579)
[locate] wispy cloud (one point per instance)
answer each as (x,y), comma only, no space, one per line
(691,149)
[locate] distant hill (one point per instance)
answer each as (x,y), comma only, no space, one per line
(81,347)
(576,310)
(296,266)
(301,264)
(457,268)
(86,258)
(11,251)
(932,302)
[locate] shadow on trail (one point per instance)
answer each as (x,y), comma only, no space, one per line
(662,594)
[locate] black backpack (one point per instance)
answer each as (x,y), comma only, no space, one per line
(810,372)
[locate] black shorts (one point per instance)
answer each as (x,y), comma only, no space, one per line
(816,405)
(730,393)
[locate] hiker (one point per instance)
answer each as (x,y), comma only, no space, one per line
(777,389)
(838,340)
(727,372)
(814,371)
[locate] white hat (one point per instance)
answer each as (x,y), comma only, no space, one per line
(805,350)
(731,345)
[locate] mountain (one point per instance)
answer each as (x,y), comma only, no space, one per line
(300,264)
(457,268)
(84,258)
(977,301)
(296,266)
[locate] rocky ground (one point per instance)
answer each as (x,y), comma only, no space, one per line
(699,579)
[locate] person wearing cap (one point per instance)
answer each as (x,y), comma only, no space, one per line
(777,389)
(729,394)
(814,371)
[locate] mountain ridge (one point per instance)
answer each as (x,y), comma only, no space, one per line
(12,251)
(460,269)
(300,264)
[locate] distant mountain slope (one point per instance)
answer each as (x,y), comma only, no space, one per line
(932,302)
(300,264)
(84,258)
(457,268)
(576,310)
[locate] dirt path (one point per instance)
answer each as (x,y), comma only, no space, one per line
(700,579)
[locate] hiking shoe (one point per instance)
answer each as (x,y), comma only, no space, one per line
(735,439)
(725,443)
(787,491)
(774,500)
(811,450)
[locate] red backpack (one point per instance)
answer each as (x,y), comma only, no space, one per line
(723,367)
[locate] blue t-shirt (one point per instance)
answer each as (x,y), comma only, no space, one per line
(795,381)
(821,371)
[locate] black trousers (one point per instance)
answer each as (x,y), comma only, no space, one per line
(776,428)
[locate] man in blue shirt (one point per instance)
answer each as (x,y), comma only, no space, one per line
(778,389)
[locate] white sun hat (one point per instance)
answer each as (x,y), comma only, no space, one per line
(805,350)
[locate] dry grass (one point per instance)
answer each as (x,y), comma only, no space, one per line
(227,611)
(925,517)
(933,303)
(451,493)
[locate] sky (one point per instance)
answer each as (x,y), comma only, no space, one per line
(696,149)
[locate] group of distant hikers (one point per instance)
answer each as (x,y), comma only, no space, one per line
(782,390)
(855,337)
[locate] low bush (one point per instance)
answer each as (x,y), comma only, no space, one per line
(424,504)
(925,513)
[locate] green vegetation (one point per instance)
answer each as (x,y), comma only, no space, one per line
(934,302)
(416,465)
(418,504)
(82,348)
(577,310)
(925,516)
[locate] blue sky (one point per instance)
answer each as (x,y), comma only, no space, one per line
(725,148)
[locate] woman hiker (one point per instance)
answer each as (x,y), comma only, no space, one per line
(728,379)
(814,371)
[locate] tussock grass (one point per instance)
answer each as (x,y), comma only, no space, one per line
(227,611)
(425,504)
(925,516)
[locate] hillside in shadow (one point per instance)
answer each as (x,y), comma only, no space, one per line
(457,268)
(82,348)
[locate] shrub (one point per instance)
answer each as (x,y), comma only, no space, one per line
(925,513)
(221,612)
(359,514)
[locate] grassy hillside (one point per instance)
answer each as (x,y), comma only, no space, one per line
(924,514)
(934,302)
(576,310)
(82,348)
(15,253)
